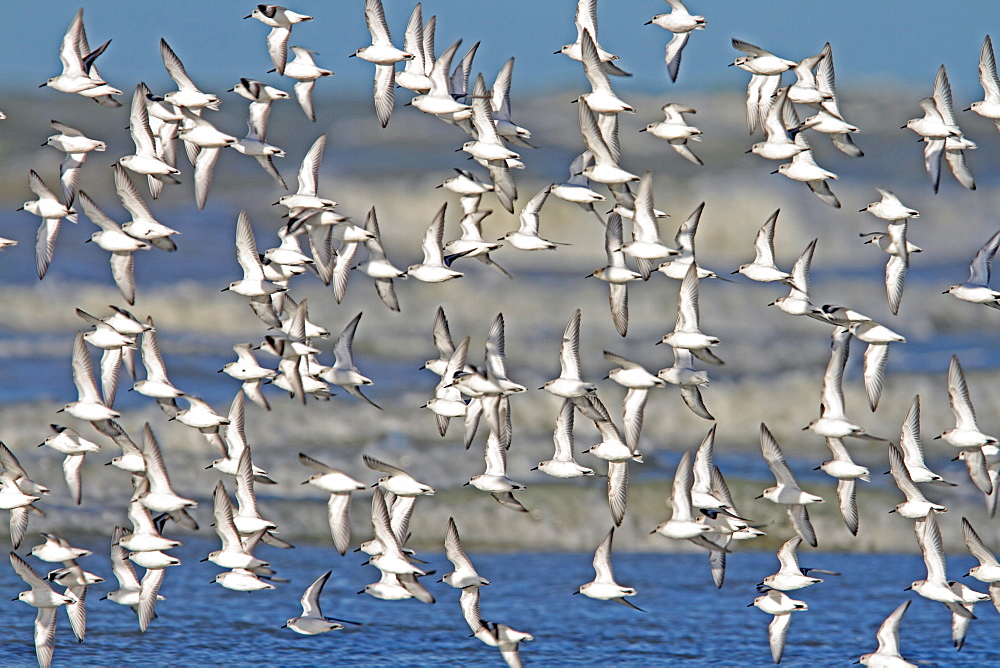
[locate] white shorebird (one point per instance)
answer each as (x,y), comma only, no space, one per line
(790,575)
(305,72)
(759,61)
(989,106)
(941,134)
(680,22)
(465,574)
(797,301)
(965,435)
(160,497)
(42,596)
(895,245)
(563,464)
(776,122)
(116,241)
(682,523)
(804,168)
(391,558)
(436,268)
(397,481)
(236,442)
(633,376)
(76,146)
(79,75)
(988,570)
(343,372)
(616,274)
(687,331)
(142,225)
(51,211)
(68,442)
(585,21)
(235,553)
(438,99)
(605,168)
(936,586)
(890,208)
(846,471)
(677,267)
(676,131)
(832,421)
(913,451)
(577,188)
(837,130)
(763,267)
(145,535)
(781,605)
(887,655)
(493,634)
(684,375)
(787,492)
(601,99)
(252,374)
(312,621)
(418,40)
(603,587)
(305,202)
(570,384)
(500,107)
(89,406)
(878,337)
(240,579)
(187,94)
(378,266)
(280,20)
(525,237)
(916,505)
(140,596)
(806,89)
(977,289)
(339,486)
(646,246)
(494,480)
(447,401)
(253,284)
(384,55)
(146,160)
(488,147)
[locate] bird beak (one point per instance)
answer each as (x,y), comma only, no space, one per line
(775,171)
(759,496)
(642,130)
(733,273)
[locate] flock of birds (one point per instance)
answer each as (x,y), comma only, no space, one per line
(703,508)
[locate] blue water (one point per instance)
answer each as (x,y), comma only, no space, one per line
(686,620)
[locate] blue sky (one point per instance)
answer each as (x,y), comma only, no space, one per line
(874,42)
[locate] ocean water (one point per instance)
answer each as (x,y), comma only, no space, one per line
(686,620)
